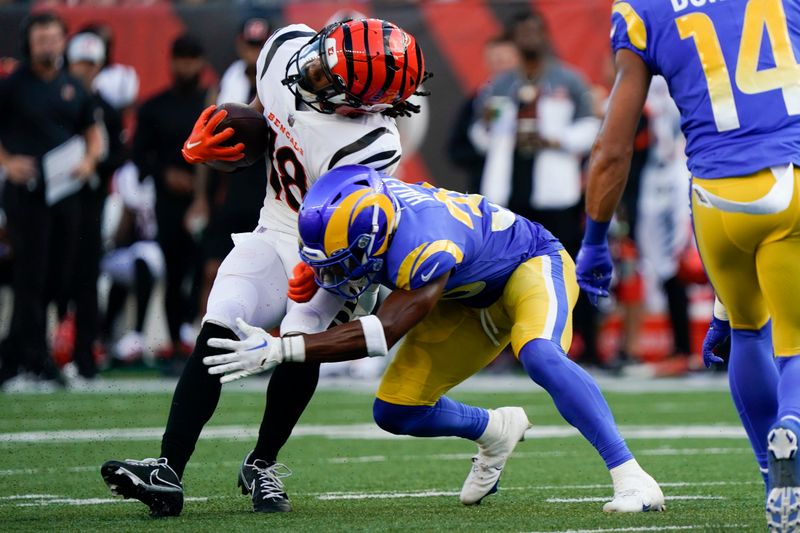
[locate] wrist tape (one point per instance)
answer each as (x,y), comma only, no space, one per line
(293,348)
(374,336)
(720,313)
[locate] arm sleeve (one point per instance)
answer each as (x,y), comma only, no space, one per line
(88,113)
(630,31)
(314,316)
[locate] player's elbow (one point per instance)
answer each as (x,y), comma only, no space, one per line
(395,327)
(393,332)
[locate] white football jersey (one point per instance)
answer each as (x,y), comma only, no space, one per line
(303,143)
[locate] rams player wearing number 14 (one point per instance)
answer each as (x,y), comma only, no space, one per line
(732,69)
(468,277)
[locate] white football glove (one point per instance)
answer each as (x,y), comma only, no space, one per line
(259,352)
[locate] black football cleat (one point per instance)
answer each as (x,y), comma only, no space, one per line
(262,480)
(151,481)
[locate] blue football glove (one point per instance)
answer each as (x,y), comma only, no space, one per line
(593,268)
(718,333)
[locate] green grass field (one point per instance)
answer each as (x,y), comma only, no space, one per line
(349,477)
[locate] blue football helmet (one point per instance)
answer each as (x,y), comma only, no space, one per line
(346,222)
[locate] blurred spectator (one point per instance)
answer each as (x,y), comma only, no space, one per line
(86,54)
(118,84)
(664,229)
(7,66)
(500,55)
(535,124)
(238,81)
(50,148)
(164,121)
(135,262)
(239,196)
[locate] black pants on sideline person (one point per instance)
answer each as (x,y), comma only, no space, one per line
(181,257)
(87,270)
(44,241)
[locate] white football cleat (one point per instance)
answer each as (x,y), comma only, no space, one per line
(506,427)
(783,491)
(635,491)
(129,347)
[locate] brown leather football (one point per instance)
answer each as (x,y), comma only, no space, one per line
(249,127)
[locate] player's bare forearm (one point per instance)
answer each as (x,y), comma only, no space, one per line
(611,154)
(401,311)
(95,144)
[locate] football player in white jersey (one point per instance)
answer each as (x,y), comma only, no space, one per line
(330,99)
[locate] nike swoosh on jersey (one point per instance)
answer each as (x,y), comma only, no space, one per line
(189,146)
(426,277)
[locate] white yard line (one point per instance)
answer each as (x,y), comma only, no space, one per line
(40,500)
(385,495)
(27,497)
(693,451)
(359,459)
(715,527)
(358,432)
(369,495)
(601,499)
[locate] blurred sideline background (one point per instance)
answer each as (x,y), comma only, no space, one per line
(455,37)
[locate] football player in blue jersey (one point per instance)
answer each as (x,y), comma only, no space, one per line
(468,277)
(739,97)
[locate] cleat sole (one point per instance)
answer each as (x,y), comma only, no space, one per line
(161,501)
(280,506)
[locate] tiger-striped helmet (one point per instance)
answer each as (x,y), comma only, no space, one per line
(368,64)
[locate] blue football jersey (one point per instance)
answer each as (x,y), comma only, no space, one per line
(732,69)
(440,231)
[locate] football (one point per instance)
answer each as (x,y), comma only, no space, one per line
(249,128)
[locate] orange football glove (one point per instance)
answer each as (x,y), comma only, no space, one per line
(302,286)
(204,145)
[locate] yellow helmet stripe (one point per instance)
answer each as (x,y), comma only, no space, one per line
(418,256)
(337,230)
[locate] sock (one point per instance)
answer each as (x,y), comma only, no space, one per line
(144,288)
(753,380)
(195,398)
(446,418)
(627,469)
(789,387)
(290,388)
(577,398)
